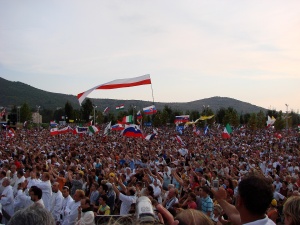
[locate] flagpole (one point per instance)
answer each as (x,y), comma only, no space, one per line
(153,104)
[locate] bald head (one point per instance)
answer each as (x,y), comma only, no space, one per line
(55,187)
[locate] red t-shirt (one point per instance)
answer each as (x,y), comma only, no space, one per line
(192,205)
(18,164)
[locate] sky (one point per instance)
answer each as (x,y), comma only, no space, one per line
(194,49)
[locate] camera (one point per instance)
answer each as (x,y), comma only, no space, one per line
(144,210)
(215,185)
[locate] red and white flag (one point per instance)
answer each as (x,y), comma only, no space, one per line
(119,83)
(54,131)
(180,141)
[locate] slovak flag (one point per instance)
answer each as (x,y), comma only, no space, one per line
(132,130)
(150,110)
(182,119)
(117,126)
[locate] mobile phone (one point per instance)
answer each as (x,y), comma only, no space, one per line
(215,185)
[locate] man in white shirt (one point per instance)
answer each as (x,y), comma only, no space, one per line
(20,179)
(2,175)
(86,214)
(67,200)
(127,200)
(7,199)
(157,190)
(45,186)
(21,200)
(254,196)
(13,175)
(277,184)
(56,201)
(35,194)
(72,212)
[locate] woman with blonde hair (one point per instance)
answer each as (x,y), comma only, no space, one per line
(291,211)
(193,217)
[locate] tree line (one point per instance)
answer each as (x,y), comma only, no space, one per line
(163,117)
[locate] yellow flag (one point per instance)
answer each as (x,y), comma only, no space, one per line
(206,117)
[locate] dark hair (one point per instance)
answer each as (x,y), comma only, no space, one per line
(150,190)
(193,196)
(87,201)
(20,172)
(230,183)
(65,188)
(256,193)
(131,191)
(104,187)
(3,173)
(205,189)
(36,191)
(104,197)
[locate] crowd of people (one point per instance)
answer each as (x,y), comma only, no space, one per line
(81,179)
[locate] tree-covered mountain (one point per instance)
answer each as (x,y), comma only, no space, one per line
(17,93)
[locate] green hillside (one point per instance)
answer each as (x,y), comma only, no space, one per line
(17,93)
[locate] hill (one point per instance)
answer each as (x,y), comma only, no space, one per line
(17,93)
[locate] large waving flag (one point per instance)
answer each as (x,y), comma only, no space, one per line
(182,119)
(227,131)
(132,130)
(150,110)
(119,83)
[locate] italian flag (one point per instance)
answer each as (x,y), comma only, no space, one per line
(227,131)
(120,107)
(127,119)
(93,129)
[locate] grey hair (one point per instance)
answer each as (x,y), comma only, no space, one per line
(34,214)
(6,179)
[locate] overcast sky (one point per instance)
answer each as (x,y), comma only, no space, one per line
(247,50)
